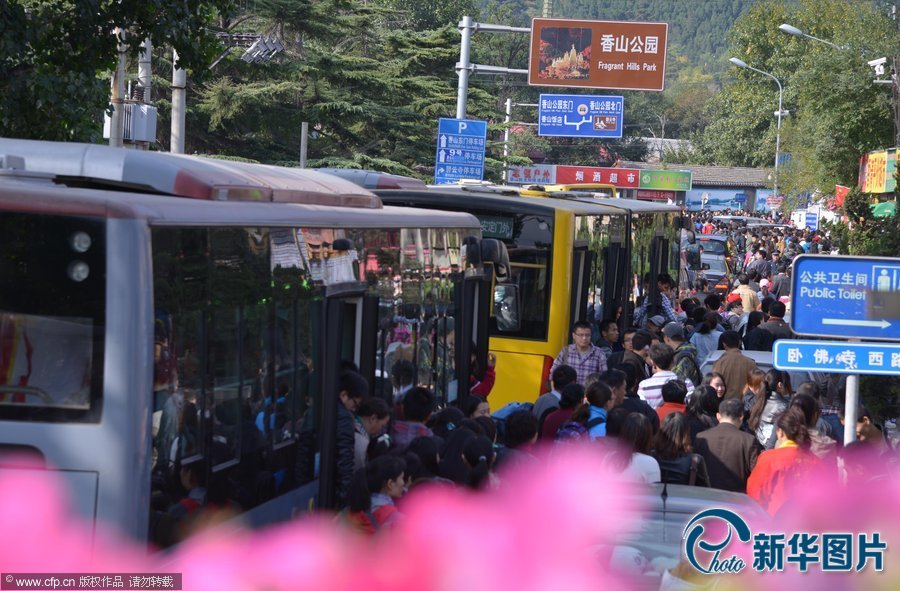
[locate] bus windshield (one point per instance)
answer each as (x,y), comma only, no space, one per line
(52,316)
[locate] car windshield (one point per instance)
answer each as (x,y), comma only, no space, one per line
(713,246)
(716,264)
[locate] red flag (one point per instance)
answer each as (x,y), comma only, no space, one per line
(840,192)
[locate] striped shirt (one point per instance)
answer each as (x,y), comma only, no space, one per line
(650,389)
(584,364)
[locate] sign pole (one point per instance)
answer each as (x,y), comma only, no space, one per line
(463,67)
(506,120)
(850,406)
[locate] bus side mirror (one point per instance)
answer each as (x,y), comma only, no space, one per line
(506,307)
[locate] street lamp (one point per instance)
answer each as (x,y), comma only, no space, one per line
(786,28)
(742,64)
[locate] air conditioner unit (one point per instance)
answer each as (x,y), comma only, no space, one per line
(138,123)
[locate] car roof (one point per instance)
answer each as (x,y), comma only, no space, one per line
(717,237)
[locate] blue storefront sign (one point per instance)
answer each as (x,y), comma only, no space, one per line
(847,297)
(460,150)
(837,357)
(812,220)
(580,115)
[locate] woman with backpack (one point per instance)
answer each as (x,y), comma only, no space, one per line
(372,493)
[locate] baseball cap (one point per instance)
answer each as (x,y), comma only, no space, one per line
(763,282)
(658,320)
(673,330)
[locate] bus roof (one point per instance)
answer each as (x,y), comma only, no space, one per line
(634,205)
(183,176)
(500,197)
(373,179)
(46,197)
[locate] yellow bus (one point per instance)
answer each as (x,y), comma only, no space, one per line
(572,257)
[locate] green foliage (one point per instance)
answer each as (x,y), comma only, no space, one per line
(836,113)
(54,57)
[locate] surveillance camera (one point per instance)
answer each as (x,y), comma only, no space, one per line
(879,62)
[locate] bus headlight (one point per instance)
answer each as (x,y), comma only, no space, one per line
(78,271)
(80,241)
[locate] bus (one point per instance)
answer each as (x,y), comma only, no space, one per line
(164,312)
(572,257)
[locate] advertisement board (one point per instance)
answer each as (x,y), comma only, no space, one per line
(536,173)
(877,170)
(598,54)
(714,199)
(667,180)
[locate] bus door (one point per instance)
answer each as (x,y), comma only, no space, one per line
(583,263)
(474,296)
(350,326)
(659,263)
(616,270)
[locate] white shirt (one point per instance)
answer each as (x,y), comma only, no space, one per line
(642,468)
(650,389)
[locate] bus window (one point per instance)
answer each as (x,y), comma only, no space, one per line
(595,232)
(529,240)
(52,317)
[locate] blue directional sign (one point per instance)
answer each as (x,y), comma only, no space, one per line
(837,357)
(460,150)
(580,115)
(812,220)
(849,297)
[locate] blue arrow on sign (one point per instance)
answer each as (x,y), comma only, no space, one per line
(837,357)
(460,150)
(842,296)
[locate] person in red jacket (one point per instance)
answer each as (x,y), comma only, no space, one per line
(778,470)
(372,494)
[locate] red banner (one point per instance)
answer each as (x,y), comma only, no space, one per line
(623,178)
(652,195)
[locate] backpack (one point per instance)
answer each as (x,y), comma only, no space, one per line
(693,370)
(593,423)
(570,431)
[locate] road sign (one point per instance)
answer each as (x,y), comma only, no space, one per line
(598,54)
(812,220)
(849,297)
(460,150)
(740,198)
(580,115)
(837,357)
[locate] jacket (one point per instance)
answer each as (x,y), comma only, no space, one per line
(779,328)
(734,367)
(765,431)
(776,473)
(678,471)
(748,298)
(730,456)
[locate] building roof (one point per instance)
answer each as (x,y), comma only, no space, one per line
(715,176)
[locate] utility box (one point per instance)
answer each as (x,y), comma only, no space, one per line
(138,123)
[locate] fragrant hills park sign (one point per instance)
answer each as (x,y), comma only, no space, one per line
(598,54)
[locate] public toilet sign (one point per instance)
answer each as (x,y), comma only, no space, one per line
(598,54)
(837,357)
(580,115)
(846,297)
(460,150)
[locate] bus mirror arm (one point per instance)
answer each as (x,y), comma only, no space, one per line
(494,251)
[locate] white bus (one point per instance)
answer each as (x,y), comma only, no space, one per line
(160,312)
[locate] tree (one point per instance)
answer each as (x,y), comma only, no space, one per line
(836,113)
(54,56)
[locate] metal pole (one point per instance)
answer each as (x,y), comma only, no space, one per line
(462,68)
(777,136)
(850,405)
(145,80)
(179,82)
(506,120)
(118,92)
(304,141)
